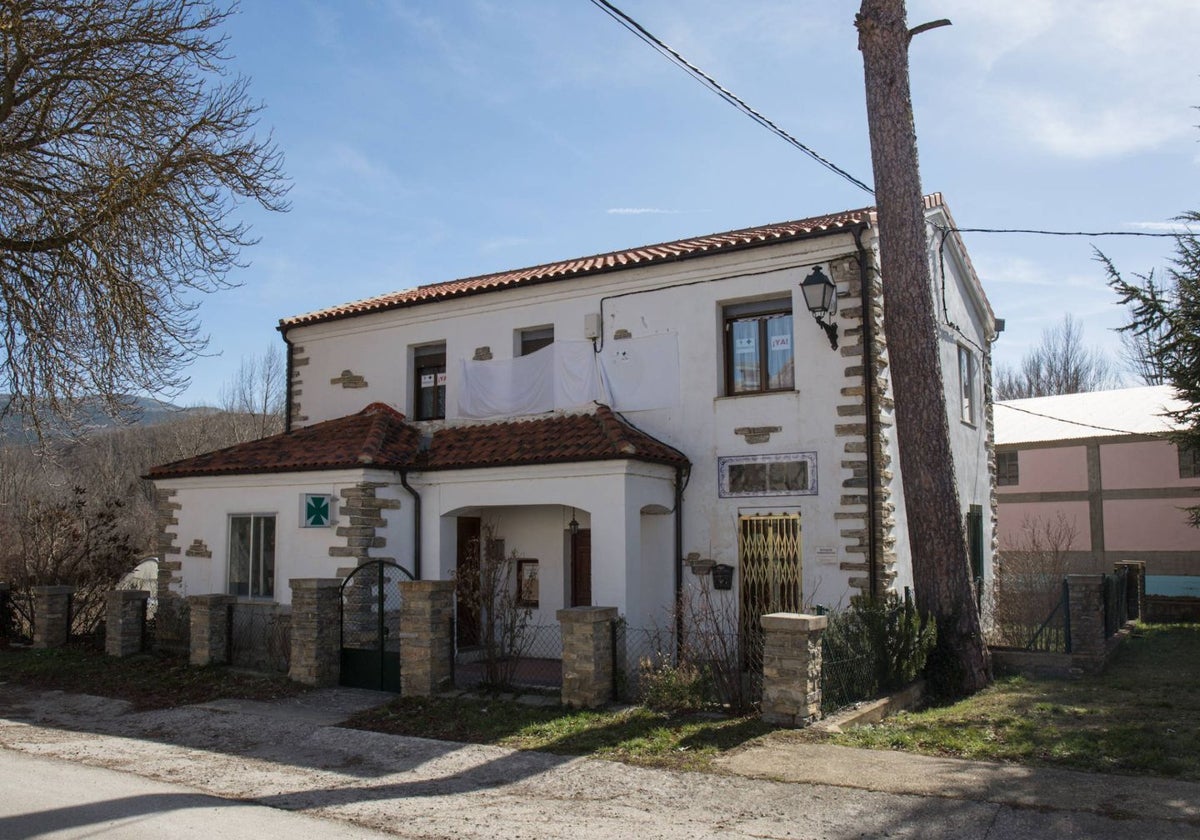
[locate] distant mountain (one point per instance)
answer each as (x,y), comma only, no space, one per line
(90,415)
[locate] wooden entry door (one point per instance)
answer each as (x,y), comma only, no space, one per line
(467,564)
(581,568)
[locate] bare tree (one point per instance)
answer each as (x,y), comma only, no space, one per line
(1060,364)
(1142,343)
(124,152)
(936,532)
(255,394)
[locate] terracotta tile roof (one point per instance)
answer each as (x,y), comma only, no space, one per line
(612,261)
(600,436)
(377,436)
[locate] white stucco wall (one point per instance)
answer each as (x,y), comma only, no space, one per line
(684,299)
(964,321)
(207,503)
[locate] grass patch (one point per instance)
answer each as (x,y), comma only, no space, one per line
(147,681)
(633,735)
(1142,716)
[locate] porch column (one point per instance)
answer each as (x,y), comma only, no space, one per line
(792,668)
(208,626)
(426,644)
(51,616)
(316,631)
(125,621)
(587,659)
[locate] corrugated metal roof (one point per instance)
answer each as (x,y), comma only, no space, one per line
(1125,411)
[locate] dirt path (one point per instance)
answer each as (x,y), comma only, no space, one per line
(413,787)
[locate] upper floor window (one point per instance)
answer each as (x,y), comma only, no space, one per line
(758,347)
(966,379)
(532,340)
(1189,461)
(1008,470)
(429,382)
(252,556)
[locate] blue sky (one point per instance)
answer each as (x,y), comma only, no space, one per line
(434,139)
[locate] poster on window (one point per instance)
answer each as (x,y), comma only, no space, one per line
(427,380)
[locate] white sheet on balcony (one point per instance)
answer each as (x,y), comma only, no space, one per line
(630,375)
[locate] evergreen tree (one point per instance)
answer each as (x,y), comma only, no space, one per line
(1169,314)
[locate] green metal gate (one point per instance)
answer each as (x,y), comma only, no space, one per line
(370,619)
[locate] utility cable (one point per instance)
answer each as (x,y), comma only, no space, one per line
(1010,407)
(712,84)
(946,229)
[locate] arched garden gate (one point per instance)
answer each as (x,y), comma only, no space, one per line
(371,626)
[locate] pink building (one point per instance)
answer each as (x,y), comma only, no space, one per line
(1097,466)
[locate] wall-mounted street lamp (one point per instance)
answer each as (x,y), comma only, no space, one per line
(820,296)
(573,526)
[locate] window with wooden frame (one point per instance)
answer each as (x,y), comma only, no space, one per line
(429,382)
(758,347)
(1008,470)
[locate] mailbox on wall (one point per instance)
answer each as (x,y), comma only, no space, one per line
(722,575)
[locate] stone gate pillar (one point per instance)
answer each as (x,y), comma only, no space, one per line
(209,629)
(587,659)
(51,615)
(316,631)
(125,621)
(792,668)
(426,643)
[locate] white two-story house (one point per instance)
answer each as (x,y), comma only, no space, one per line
(626,422)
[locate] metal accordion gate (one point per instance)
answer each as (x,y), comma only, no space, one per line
(770,576)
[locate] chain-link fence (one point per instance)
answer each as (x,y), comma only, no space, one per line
(260,637)
(534,660)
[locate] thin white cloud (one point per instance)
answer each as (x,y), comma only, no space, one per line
(1078,79)
(640,211)
(1165,227)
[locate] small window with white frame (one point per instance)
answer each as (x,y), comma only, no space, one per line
(252,555)
(534,339)
(966,380)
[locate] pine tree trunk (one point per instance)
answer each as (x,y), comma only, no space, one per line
(937,536)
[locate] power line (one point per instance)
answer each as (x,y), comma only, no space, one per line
(1010,407)
(709,82)
(1059,232)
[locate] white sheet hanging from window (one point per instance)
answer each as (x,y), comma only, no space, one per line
(642,373)
(562,375)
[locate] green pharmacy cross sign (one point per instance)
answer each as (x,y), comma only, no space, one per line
(317,510)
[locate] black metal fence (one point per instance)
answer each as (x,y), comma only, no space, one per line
(1116,592)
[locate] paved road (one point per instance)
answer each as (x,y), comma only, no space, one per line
(287,756)
(51,798)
